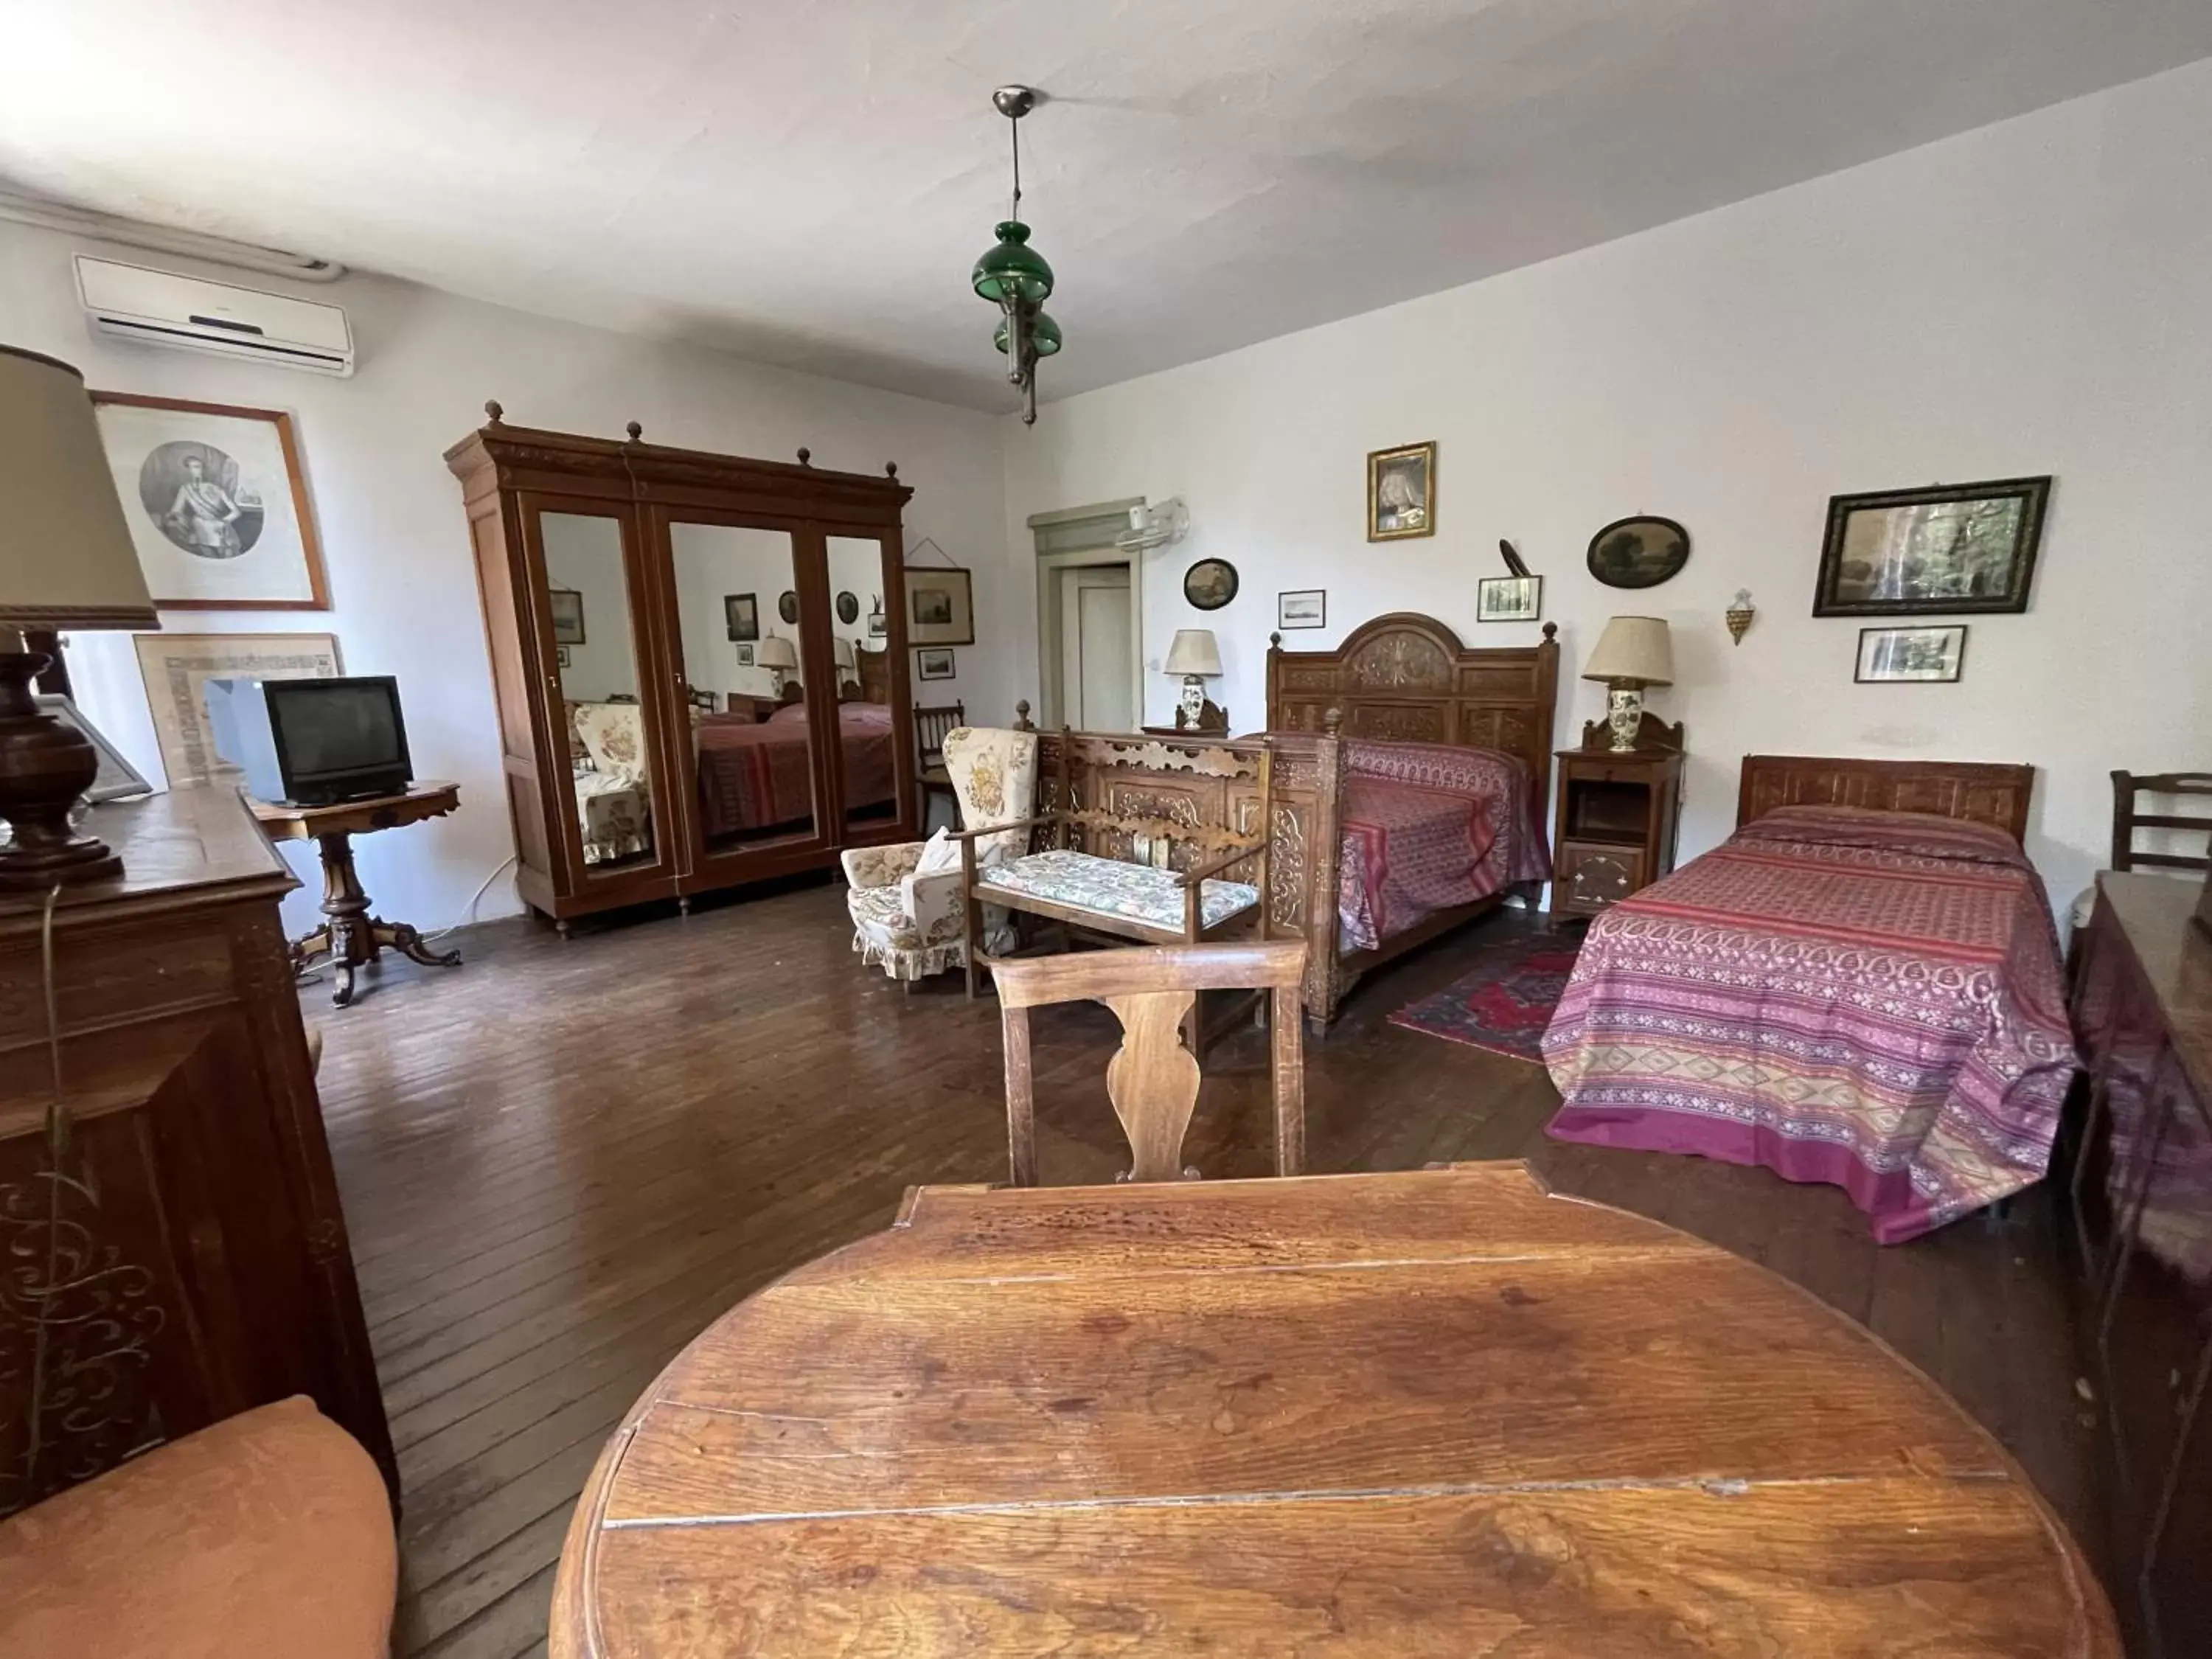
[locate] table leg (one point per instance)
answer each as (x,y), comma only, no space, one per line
(401,936)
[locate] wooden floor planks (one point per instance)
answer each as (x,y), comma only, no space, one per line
(563,1159)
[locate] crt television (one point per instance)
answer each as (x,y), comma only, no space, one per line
(312,743)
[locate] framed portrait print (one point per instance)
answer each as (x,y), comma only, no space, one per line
(939,606)
(1508,599)
(1944,552)
(216,501)
(848,609)
(744,656)
(1891,656)
(741,611)
(175,666)
(1304,608)
(1638,552)
(934,663)
(567,605)
(786,606)
(1402,492)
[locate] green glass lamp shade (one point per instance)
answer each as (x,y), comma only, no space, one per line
(1013,266)
(1044,334)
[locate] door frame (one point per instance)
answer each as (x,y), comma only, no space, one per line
(1075,539)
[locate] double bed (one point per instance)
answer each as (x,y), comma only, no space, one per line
(759,776)
(1862,987)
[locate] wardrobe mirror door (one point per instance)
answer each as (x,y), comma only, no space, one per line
(595,654)
(737,602)
(866,737)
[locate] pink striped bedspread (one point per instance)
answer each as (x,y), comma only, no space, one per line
(759,776)
(1426,827)
(1872,1000)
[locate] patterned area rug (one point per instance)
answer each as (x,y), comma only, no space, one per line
(1504,1004)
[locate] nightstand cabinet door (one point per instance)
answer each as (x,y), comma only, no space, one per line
(1593,875)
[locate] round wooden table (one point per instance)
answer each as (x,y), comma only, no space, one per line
(1440,1413)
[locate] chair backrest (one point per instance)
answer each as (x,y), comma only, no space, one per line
(2126,820)
(994,775)
(1152,1078)
(613,735)
(931,723)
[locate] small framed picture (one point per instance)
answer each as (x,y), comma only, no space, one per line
(934,663)
(116,777)
(566,605)
(1896,655)
(1508,599)
(1308,607)
(744,656)
(742,612)
(561,656)
(939,606)
(1638,552)
(1402,492)
(1944,552)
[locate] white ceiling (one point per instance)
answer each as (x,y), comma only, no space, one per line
(807,184)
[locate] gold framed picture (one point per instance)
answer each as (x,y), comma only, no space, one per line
(1402,492)
(215,502)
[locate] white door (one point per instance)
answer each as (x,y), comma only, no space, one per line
(1096,677)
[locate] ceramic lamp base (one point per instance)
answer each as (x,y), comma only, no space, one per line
(1624,715)
(45,767)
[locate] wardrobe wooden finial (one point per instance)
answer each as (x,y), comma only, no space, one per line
(806,456)
(634,430)
(492,410)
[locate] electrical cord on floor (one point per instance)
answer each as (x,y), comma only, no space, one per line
(468,915)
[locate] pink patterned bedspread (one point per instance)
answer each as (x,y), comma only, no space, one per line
(1425,827)
(1872,1000)
(757,777)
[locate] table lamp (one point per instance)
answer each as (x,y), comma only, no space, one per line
(66,560)
(1194,655)
(1633,653)
(776,653)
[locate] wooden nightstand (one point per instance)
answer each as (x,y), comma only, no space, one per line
(1617,816)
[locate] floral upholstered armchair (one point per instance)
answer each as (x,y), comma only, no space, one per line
(905,901)
(613,799)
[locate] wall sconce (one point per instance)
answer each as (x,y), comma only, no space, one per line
(1739,615)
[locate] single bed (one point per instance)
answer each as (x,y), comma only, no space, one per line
(1861,987)
(755,777)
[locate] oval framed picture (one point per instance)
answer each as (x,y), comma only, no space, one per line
(1209,584)
(848,609)
(787,606)
(1641,551)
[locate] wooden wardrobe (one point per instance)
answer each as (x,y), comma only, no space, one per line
(630,594)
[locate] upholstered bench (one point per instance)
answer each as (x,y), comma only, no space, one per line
(1112,893)
(265,1536)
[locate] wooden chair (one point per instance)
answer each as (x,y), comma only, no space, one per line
(931,723)
(1152,1078)
(2126,820)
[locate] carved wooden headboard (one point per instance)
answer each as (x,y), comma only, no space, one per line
(1977,791)
(1407,678)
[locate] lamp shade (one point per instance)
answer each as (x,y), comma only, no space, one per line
(1193,652)
(1635,649)
(841,649)
(776,652)
(66,559)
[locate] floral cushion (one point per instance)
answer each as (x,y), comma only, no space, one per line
(1109,887)
(613,734)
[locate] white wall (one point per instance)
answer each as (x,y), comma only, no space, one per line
(404,593)
(2032,297)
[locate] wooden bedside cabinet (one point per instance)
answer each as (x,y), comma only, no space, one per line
(1617,816)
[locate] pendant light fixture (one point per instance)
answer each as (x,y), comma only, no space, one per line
(1013,276)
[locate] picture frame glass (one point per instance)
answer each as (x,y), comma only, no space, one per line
(939,606)
(935,663)
(1303,608)
(1638,552)
(741,611)
(1908,655)
(1209,584)
(1402,489)
(176,666)
(215,502)
(1943,550)
(1508,599)
(566,606)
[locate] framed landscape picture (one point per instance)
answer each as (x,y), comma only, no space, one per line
(934,663)
(1894,656)
(1945,550)
(1508,599)
(939,606)
(1638,552)
(741,614)
(1402,492)
(215,502)
(567,605)
(1303,607)
(175,666)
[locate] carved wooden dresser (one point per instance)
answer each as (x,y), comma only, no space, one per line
(172,1250)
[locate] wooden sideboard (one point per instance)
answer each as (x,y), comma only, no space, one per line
(2142,1186)
(172,1245)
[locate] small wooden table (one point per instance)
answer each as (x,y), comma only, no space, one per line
(1433,1412)
(352,937)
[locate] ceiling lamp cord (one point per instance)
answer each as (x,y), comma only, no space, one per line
(1014,276)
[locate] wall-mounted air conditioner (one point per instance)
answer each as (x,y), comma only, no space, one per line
(161,308)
